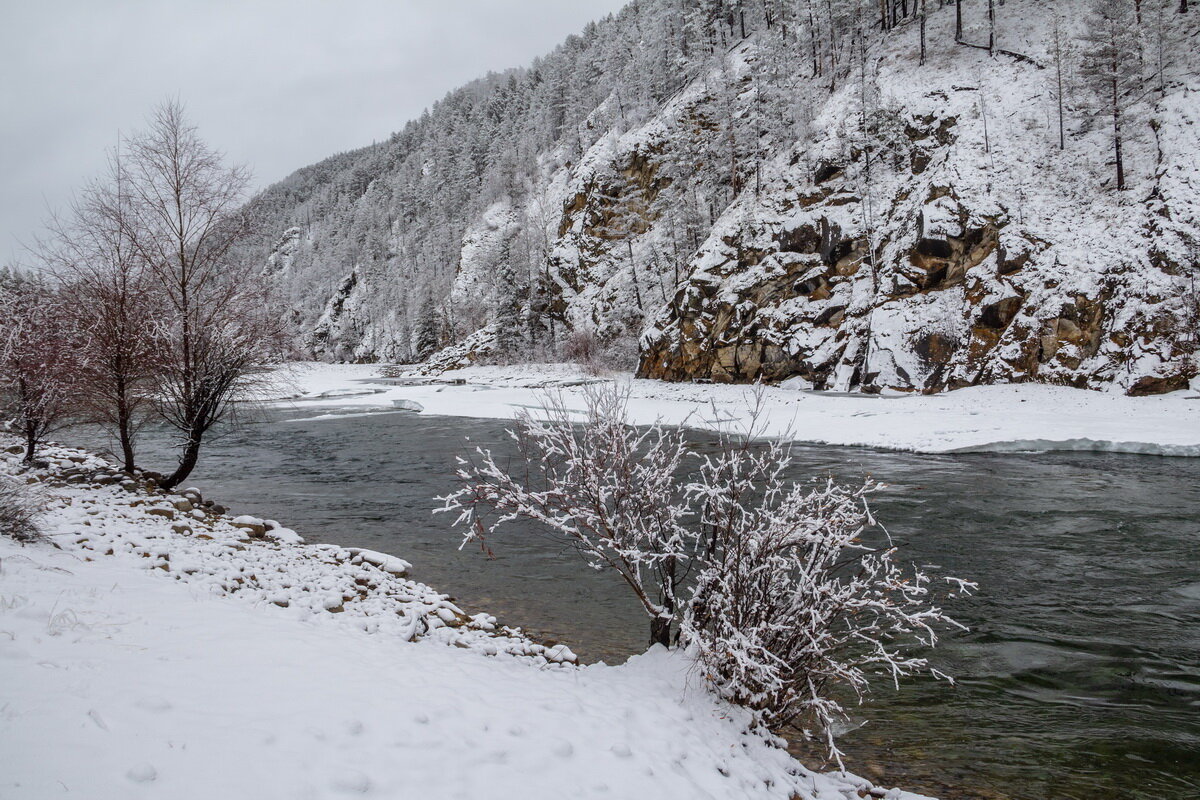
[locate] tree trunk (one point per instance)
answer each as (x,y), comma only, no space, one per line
(660,626)
(1062,133)
(812,40)
(1117,143)
(125,433)
(1116,120)
(958,20)
(124,419)
(28,423)
(187,461)
(30,445)
(992,27)
(660,631)
(637,289)
(922,12)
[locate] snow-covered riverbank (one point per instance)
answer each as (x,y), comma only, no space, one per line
(1005,418)
(161,648)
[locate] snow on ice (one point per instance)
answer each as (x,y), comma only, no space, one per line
(999,418)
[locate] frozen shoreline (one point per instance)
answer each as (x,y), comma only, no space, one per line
(1003,418)
(161,648)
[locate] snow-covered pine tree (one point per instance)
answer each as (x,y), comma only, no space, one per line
(1111,51)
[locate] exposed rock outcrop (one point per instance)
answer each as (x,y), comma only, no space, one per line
(939,264)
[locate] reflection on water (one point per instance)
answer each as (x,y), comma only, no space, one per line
(1080,677)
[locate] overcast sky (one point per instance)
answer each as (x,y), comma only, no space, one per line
(275,84)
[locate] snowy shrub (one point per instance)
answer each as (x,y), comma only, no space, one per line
(581,347)
(776,586)
(792,603)
(18,512)
(597,355)
(605,487)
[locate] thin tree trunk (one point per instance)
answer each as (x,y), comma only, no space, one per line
(660,626)
(28,423)
(637,291)
(660,631)
(187,461)
(812,40)
(1116,115)
(958,33)
(1062,135)
(832,49)
(922,12)
(992,27)
(125,433)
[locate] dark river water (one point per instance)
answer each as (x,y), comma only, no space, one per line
(1080,677)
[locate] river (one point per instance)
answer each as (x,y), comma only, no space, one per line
(1080,677)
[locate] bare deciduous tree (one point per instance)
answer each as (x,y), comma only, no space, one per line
(184,221)
(38,359)
(113,304)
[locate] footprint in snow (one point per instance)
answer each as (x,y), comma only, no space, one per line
(564,749)
(154,704)
(142,773)
(352,783)
(621,750)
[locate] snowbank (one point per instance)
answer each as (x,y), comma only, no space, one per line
(158,649)
(1000,418)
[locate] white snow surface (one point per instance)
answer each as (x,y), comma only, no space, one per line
(1024,417)
(140,659)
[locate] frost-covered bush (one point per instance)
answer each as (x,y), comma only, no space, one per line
(18,512)
(795,606)
(787,593)
(598,355)
(799,596)
(606,488)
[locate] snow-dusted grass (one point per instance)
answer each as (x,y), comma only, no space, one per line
(1000,418)
(149,650)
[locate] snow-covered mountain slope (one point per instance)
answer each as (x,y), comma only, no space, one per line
(754,190)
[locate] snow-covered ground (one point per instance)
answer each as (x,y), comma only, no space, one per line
(1016,417)
(161,648)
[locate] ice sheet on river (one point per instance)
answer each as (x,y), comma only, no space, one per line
(1004,418)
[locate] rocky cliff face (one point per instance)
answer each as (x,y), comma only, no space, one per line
(947,242)
(862,222)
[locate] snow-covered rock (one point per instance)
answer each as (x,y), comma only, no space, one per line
(390,564)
